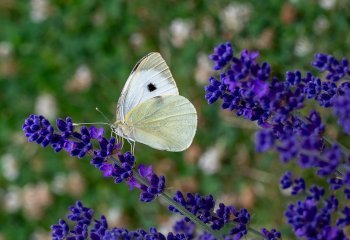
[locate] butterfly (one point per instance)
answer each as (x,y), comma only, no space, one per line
(151,111)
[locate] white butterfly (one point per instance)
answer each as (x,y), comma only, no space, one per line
(151,111)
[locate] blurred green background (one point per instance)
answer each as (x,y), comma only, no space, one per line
(64,58)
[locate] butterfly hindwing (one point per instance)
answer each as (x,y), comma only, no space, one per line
(150,77)
(164,123)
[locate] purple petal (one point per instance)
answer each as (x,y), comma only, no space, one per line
(69,146)
(107,169)
(132,182)
(96,133)
(145,171)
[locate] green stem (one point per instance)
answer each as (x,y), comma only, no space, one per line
(256,232)
(331,141)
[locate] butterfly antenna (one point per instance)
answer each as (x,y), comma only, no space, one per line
(93,123)
(98,110)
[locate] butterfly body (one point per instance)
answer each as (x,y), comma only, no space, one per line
(151,111)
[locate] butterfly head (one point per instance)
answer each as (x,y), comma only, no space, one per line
(122,129)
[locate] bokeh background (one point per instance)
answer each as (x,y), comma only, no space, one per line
(64,58)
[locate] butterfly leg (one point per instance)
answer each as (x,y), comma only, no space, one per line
(132,145)
(118,139)
(122,143)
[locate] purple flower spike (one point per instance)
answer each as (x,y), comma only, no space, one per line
(60,230)
(286,180)
(345,221)
(66,127)
(335,183)
(223,53)
(264,140)
(133,183)
(145,171)
(273,234)
(107,169)
(80,213)
(341,109)
(38,129)
(124,170)
(336,69)
(96,133)
(214,90)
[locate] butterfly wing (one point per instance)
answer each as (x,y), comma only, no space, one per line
(149,78)
(164,123)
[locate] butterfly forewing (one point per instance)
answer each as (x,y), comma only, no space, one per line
(164,123)
(150,78)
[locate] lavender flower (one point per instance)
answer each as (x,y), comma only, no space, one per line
(297,185)
(222,55)
(155,186)
(273,234)
(203,208)
(248,89)
(341,109)
(336,70)
(88,228)
(106,155)
(311,218)
(38,129)
(345,221)
(85,226)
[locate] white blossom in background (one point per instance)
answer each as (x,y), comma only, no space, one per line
(114,216)
(321,25)
(208,26)
(180,31)
(81,79)
(59,183)
(46,105)
(137,40)
(40,235)
(235,17)
(75,184)
(12,199)
(39,10)
(203,69)
(286,192)
(8,65)
(5,49)
(9,167)
(302,47)
(210,161)
(35,199)
(328,4)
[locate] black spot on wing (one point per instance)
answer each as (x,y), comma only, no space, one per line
(151,87)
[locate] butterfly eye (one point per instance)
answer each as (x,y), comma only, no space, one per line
(151,87)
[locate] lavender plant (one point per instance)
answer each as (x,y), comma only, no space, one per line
(247,88)
(196,210)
